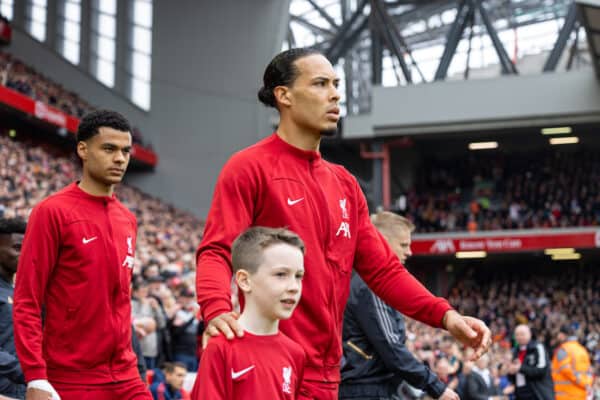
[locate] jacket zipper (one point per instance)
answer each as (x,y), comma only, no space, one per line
(114,261)
(332,298)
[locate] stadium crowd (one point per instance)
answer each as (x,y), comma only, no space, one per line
(504,300)
(481,192)
(18,76)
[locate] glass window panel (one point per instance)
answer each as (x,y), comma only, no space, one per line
(105,72)
(140,93)
(38,14)
(37,30)
(41,3)
(6,8)
(142,39)
(106,48)
(71,51)
(71,30)
(72,11)
(141,66)
(107,6)
(142,13)
(107,25)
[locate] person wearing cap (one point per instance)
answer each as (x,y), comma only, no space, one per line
(530,369)
(571,367)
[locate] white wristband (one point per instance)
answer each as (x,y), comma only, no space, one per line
(42,384)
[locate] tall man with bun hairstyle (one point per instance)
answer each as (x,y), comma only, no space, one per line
(283,181)
(76,264)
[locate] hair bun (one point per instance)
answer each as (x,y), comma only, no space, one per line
(266,97)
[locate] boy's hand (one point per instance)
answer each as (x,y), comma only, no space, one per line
(449,394)
(225,324)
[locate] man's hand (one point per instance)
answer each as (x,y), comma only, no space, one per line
(37,394)
(514,367)
(449,394)
(470,331)
(153,303)
(226,324)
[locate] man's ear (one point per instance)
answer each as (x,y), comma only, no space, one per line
(283,95)
(82,150)
(242,278)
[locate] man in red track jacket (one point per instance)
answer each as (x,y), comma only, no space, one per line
(75,264)
(283,181)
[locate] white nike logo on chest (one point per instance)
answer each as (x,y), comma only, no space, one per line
(292,202)
(235,375)
(86,241)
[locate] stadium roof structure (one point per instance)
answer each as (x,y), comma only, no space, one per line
(403,42)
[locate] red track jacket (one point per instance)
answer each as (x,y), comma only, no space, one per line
(76,261)
(275,184)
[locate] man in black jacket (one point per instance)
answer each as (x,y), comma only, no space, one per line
(530,370)
(12,381)
(480,382)
(374,335)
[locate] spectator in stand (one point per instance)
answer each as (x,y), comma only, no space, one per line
(144,308)
(450,378)
(530,368)
(185,330)
(168,382)
(12,381)
(481,384)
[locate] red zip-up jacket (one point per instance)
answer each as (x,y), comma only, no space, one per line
(76,262)
(275,184)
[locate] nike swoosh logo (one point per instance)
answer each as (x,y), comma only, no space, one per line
(292,202)
(86,241)
(235,375)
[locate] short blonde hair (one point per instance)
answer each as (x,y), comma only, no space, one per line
(390,224)
(247,250)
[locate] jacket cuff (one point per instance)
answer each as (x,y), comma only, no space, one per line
(214,309)
(440,313)
(35,373)
(436,388)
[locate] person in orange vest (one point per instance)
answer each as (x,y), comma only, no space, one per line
(571,368)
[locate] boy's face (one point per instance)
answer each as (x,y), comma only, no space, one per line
(276,286)
(176,378)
